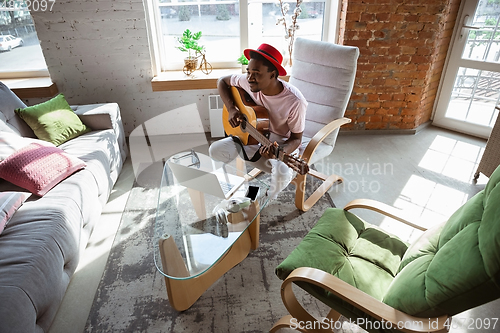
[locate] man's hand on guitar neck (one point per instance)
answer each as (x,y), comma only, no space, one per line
(277,151)
(274,151)
(269,152)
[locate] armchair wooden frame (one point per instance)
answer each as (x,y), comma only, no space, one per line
(300,180)
(369,305)
(328,180)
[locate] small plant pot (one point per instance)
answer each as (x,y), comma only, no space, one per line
(191,64)
(244,69)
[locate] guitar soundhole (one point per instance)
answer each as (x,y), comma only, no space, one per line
(243,124)
(248,99)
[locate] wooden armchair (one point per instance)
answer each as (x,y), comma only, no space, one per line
(374,279)
(324,73)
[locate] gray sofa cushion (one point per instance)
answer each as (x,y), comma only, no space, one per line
(16,323)
(96,149)
(9,121)
(104,116)
(42,264)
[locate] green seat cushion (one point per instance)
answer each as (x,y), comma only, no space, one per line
(53,121)
(345,246)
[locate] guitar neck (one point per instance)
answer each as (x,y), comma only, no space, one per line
(256,134)
(280,155)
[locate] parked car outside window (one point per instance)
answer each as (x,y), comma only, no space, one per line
(9,42)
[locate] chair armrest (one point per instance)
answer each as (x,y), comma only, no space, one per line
(104,117)
(98,116)
(321,135)
(383,209)
(361,300)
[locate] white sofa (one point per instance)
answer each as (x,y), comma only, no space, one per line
(41,243)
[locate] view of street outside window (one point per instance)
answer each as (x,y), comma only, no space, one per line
(483,42)
(220,26)
(20,49)
(476,92)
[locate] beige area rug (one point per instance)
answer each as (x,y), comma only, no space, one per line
(132,296)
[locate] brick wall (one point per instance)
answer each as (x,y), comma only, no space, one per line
(403,46)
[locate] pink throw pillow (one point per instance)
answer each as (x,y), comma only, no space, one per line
(39,168)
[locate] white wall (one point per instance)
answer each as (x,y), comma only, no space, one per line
(97,51)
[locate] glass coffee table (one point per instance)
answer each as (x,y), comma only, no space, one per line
(200,233)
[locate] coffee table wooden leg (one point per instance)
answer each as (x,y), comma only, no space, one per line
(240,166)
(171,259)
(254,228)
(182,293)
(198,200)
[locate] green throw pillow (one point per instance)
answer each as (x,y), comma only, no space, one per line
(53,121)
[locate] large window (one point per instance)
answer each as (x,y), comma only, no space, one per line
(228,27)
(20,51)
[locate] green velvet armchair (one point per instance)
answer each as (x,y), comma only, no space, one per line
(374,279)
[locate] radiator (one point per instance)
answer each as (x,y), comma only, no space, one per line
(215,106)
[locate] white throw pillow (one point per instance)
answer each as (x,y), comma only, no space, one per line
(11,142)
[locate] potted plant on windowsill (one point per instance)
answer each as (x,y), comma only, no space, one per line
(189,44)
(244,63)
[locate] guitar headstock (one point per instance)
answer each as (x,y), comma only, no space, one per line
(296,164)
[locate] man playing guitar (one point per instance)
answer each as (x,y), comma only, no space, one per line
(287,110)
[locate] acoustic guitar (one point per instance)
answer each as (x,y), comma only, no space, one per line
(254,129)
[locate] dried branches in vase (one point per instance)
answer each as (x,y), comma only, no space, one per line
(291,26)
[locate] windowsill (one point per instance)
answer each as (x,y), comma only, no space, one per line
(177,80)
(36,87)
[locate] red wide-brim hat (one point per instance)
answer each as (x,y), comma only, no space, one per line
(271,54)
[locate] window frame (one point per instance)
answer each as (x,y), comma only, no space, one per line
(160,64)
(23,74)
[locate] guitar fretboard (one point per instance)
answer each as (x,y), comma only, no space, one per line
(256,134)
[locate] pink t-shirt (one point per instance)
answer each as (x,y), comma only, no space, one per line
(287,110)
